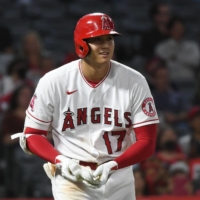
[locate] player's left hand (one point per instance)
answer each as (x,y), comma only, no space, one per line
(87,177)
(103,171)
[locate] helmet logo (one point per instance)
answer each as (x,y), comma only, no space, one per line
(105,23)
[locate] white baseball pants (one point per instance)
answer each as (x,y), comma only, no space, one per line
(120,186)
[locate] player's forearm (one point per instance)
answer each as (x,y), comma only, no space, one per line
(138,152)
(40,146)
(142,149)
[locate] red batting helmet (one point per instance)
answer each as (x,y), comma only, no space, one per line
(91,25)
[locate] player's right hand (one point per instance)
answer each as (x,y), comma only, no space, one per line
(70,168)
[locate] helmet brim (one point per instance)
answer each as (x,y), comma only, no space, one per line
(101,33)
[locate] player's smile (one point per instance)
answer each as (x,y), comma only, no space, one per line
(104,54)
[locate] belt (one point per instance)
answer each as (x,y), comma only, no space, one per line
(92,165)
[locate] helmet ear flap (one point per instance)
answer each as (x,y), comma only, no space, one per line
(81,47)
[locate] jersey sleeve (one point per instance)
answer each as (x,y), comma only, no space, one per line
(143,106)
(40,109)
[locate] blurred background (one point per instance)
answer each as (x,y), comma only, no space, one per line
(160,39)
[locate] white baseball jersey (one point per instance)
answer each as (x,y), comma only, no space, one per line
(92,124)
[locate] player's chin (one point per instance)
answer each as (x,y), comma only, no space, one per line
(104,58)
(103,62)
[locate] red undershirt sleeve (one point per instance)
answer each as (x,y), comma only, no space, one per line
(40,146)
(143,148)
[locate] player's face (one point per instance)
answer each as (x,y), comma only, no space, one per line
(101,49)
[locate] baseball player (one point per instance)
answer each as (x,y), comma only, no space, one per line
(102,116)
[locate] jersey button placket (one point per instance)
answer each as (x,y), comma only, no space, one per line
(94,101)
(92,128)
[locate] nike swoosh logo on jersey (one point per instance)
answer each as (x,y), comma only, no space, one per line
(71,92)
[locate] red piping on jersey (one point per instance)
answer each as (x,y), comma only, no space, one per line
(93,83)
(99,82)
(37,118)
(145,121)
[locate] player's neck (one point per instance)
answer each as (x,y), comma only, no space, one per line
(94,73)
